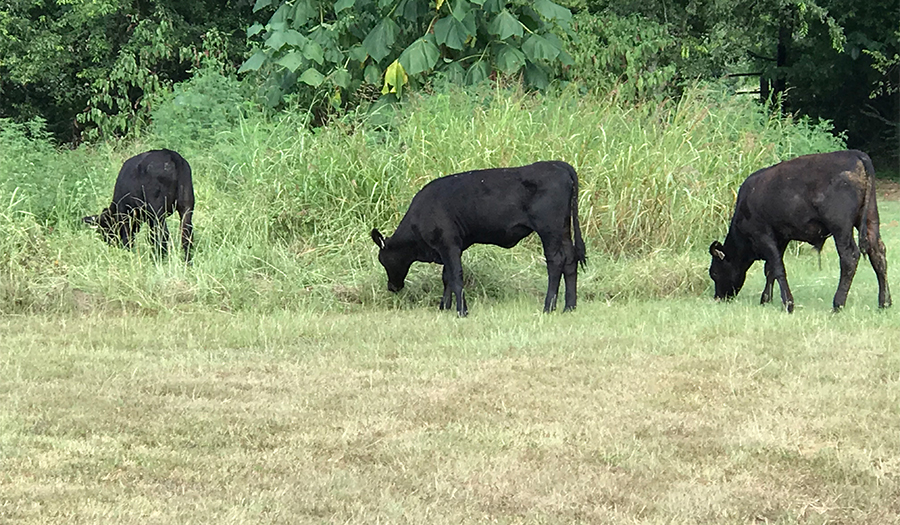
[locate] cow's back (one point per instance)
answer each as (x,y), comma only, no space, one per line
(493,206)
(151,178)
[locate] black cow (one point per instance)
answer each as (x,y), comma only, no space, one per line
(150,186)
(494,206)
(809,198)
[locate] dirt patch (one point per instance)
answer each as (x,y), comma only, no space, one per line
(888,190)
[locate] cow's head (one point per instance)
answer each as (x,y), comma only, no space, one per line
(116,229)
(725,273)
(394,260)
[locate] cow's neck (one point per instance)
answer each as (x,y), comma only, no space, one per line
(739,250)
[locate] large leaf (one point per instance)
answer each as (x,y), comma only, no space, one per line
(537,48)
(451,32)
(536,76)
(552,11)
(509,59)
(313,51)
(341,78)
(394,79)
(303,11)
(477,73)
(276,40)
(255,62)
(505,25)
(312,77)
(340,5)
(379,41)
(420,56)
(461,9)
(255,29)
(292,60)
(260,4)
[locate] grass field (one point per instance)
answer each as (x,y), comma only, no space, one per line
(629,410)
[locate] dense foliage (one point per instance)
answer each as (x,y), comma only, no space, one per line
(97,68)
(345,44)
(283,211)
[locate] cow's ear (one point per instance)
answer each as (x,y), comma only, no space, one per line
(717,250)
(378,238)
(91,220)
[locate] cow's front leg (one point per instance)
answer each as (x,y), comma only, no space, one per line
(453,280)
(769,287)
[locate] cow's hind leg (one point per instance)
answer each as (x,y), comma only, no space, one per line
(555,256)
(447,298)
(159,234)
(848,252)
(187,232)
(878,258)
(570,272)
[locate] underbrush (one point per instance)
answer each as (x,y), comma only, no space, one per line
(283,212)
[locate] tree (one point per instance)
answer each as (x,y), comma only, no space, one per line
(395,44)
(88,64)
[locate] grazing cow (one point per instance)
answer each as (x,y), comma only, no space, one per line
(150,186)
(494,206)
(809,198)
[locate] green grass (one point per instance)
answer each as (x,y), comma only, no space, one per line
(629,410)
(642,411)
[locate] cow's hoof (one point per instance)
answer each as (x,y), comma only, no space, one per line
(569,309)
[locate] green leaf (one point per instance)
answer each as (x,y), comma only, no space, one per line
(460,10)
(255,29)
(276,40)
(340,5)
(537,47)
(312,77)
(294,38)
(260,4)
(510,59)
(477,73)
(341,78)
(420,56)
(505,25)
(372,74)
(451,32)
(536,76)
(292,60)
(358,53)
(313,51)
(378,42)
(255,62)
(552,11)
(303,11)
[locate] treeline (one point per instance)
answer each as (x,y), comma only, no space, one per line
(94,69)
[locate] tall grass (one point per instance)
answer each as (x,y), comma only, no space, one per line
(283,212)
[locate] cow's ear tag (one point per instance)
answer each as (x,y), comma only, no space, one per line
(91,220)
(378,238)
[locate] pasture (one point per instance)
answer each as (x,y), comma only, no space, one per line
(277,381)
(678,410)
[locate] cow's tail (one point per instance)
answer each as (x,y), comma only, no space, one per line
(580,252)
(868,200)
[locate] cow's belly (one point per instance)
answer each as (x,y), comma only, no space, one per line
(503,238)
